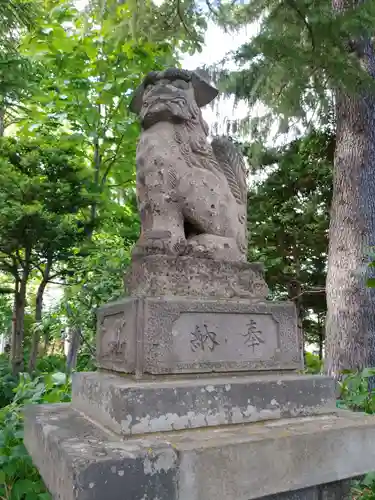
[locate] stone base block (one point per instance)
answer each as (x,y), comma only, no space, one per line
(157,275)
(81,461)
(171,335)
(129,408)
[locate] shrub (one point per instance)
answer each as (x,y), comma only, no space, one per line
(57,363)
(356,395)
(19,479)
(51,363)
(365,489)
(312,363)
(7,382)
(354,391)
(85,363)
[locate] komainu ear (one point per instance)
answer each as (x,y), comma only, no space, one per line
(203,90)
(135,105)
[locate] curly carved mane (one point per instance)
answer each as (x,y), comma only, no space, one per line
(191,137)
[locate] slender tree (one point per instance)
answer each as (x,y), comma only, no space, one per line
(351,304)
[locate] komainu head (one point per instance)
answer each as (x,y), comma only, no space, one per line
(172,95)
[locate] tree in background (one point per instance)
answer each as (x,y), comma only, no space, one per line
(44,193)
(351,304)
(88,75)
(15,16)
(181,23)
(16,74)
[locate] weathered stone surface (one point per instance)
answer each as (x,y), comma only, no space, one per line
(79,461)
(82,462)
(191,194)
(186,335)
(156,275)
(129,408)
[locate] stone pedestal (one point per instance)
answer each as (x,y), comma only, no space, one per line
(199,398)
(170,335)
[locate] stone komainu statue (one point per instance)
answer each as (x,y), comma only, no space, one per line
(191,195)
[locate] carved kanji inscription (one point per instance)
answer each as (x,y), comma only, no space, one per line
(202,338)
(220,338)
(253,336)
(112,331)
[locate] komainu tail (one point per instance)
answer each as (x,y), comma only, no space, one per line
(232,165)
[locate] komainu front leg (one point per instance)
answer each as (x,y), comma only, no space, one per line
(159,242)
(162,226)
(162,229)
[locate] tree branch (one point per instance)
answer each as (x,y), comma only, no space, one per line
(112,161)
(84,341)
(181,17)
(211,9)
(295,7)
(310,291)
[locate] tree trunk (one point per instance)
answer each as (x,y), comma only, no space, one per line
(18,324)
(321,342)
(295,295)
(38,316)
(75,341)
(320,335)
(45,343)
(97,162)
(2,124)
(350,321)
(13,337)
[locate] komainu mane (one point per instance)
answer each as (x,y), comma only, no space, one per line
(191,194)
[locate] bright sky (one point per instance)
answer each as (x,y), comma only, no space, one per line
(217,45)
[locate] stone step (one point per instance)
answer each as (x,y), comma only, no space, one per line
(128,407)
(79,460)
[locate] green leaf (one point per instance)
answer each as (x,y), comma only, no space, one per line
(23,487)
(19,434)
(341,404)
(44,496)
(368,372)
(18,451)
(359,399)
(59,378)
(369,479)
